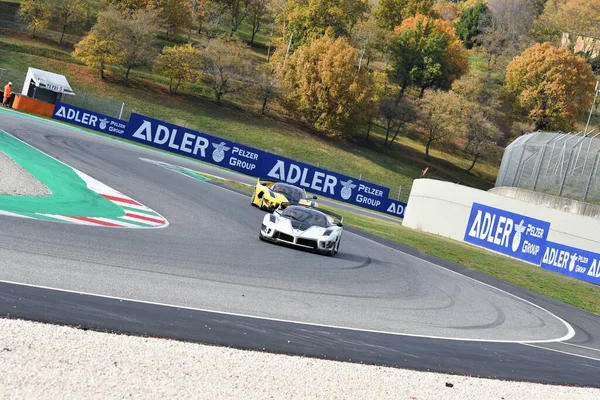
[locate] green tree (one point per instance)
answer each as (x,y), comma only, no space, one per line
(324,87)
(439,118)
(550,87)
(36,13)
(180,64)
(427,53)
(226,65)
(70,14)
(102,45)
(257,13)
(467,27)
(307,17)
(391,13)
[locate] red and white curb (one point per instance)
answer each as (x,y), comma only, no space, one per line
(136,215)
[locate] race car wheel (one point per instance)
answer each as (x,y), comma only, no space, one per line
(337,245)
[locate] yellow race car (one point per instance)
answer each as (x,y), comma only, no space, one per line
(268,195)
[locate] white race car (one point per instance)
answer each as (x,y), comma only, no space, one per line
(305,227)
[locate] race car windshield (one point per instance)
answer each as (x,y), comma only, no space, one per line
(294,195)
(303,218)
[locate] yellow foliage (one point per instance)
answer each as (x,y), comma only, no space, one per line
(325,87)
(552,87)
(180,64)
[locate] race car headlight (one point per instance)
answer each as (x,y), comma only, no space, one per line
(327,232)
(272,218)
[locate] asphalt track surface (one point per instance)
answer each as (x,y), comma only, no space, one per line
(207,278)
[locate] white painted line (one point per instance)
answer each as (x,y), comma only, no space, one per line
(279,319)
(570,330)
(581,347)
(560,351)
(14,214)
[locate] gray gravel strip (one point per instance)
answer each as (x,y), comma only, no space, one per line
(40,361)
(16,181)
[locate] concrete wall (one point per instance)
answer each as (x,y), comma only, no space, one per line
(548,200)
(443,208)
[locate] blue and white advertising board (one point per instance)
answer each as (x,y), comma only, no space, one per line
(247,160)
(89,119)
(326,183)
(508,233)
(198,145)
(576,263)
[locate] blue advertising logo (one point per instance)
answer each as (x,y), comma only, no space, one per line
(89,119)
(330,184)
(576,263)
(187,142)
(508,233)
(395,208)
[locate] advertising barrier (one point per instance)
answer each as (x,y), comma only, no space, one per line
(576,263)
(508,233)
(247,160)
(89,119)
(258,163)
(198,145)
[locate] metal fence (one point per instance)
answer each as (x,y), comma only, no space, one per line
(562,164)
(115,109)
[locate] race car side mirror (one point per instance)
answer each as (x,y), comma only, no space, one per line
(315,197)
(339,224)
(284,205)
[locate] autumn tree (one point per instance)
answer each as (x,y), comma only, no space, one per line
(391,13)
(575,18)
(175,15)
(482,136)
(226,66)
(426,53)
(128,7)
(307,17)
(267,84)
(324,87)
(69,14)
(101,46)
(550,87)
(365,36)
(36,13)
(439,118)
(180,64)
(396,115)
(468,26)
(505,28)
(136,35)
(447,10)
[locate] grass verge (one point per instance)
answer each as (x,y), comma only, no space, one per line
(571,291)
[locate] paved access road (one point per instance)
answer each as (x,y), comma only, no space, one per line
(210,258)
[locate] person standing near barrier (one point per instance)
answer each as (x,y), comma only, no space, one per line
(7,91)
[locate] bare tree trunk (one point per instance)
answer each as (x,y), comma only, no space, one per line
(127,76)
(473,164)
(387,132)
(395,135)
(369,129)
(102,70)
(362,55)
(264,104)
(62,34)
(429,141)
